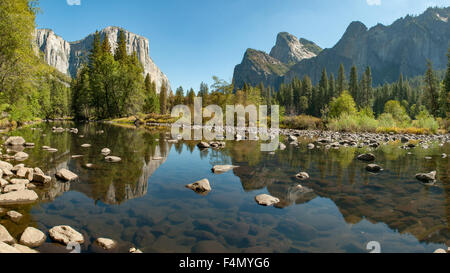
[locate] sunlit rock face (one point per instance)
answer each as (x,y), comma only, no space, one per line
(402,47)
(259,67)
(68,57)
(55,49)
(289,49)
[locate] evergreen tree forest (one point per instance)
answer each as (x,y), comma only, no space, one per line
(29,88)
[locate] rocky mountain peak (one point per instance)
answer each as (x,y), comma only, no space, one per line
(289,50)
(68,57)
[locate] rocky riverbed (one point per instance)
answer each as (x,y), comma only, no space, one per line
(117,190)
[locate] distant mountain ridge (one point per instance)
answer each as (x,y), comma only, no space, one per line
(67,57)
(402,47)
(258,66)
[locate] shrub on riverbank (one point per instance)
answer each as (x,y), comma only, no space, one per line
(302,122)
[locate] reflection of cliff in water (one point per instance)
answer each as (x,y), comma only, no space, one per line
(117,183)
(137,190)
(110,183)
(392,197)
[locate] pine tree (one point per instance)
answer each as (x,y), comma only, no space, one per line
(96,49)
(332,91)
(106,46)
(353,86)
(163,99)
(431,90)
(148,84)
(445,92)
(121,50)
(366,91)
(191,97)
(179,96)
(341,81)
(323,90)
(307,90)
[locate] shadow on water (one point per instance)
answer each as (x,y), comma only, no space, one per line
(141,201)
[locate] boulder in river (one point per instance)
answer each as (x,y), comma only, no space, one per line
(374,168)
(302,176)
(13,188)
(202,187)
(24,249)
(427,177)
(219,169)
(135,251)
(14,216)
(6,166)
(86,145)
(15,141)
(266,200)
(311,146)
(203,145)
(113,159)
(292,138)
(65,235)
(21,156)
(5,248)
(5,237)
(105,151)
(18,197)
(66,175)
(17,167)
(366,157)
(41,178)
(32,237)
(106,243)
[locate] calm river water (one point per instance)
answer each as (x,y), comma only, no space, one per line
(142,201)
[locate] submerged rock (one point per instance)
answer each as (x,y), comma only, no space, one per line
(14,216)
(32,237)
(65,235)
(219,169)
(373,168)
(66,175)
(202,187)
(427,177)
(266,200)
(113,159)
(366,157)
(135,251)
(21,156)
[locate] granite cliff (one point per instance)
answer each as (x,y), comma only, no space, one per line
(67,57)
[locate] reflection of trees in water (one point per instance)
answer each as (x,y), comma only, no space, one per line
(393,197)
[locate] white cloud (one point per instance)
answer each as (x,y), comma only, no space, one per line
(373,2)
(73,2)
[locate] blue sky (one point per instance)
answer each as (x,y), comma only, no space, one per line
(192,40)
